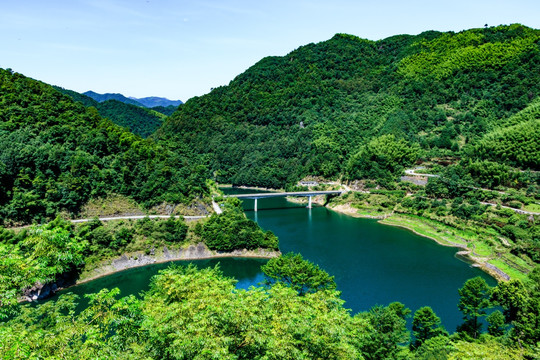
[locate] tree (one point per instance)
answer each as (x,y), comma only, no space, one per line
(301,275)
(511,296)
(426,325)
(473,302)
(438,347)
(521,306)
(389,330)
(495,323)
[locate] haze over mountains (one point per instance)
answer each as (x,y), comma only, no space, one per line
(148,102)
(138,118)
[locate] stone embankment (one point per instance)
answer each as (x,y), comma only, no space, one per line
(192,252)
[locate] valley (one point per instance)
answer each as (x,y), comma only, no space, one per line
(437,133)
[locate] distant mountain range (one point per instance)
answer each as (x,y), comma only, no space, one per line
(148,102)
(154,101)
(122,111)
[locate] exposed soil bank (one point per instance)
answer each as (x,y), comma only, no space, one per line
(192,252)
(130,260)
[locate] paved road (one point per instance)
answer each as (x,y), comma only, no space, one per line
(138,217)
(513,209)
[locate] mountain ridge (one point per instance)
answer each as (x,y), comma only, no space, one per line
(111,96)
(146,102)
(155,101)
(138,119)
(310,111)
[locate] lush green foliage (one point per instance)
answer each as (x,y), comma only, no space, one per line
(518,145)
(59,250)
(165,110)
(191,314)
(521,305)
(473,302)
(37,255)
(56,154)
(294,271)
(315,110)
(106,240)
(138,119)
(198,314)
(426,325)
(381,158)
(231,230)
(389,331)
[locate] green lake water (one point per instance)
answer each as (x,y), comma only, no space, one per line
(372,263)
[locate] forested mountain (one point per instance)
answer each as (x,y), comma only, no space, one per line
(154,101)
(137,119)
(149,102)
(109,96)
(56,154)
(314,110)
(165,110)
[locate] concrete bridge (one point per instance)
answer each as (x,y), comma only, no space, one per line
(309,194)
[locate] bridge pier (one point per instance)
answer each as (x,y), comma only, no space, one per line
(309,194)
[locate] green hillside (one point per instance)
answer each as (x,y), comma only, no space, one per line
(517,143)
(139,120)
(56,154)
(312,110)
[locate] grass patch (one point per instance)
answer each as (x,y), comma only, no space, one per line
(112,205)
(513,273)
(533,207)
(437,231)
(482,249)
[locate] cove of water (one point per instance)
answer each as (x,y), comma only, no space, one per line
(372,263)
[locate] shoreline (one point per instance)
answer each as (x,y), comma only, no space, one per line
(140,259)
(464,254)
(192,252)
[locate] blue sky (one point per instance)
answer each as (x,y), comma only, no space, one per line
(180,49)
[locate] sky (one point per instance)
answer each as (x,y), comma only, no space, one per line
(180,49)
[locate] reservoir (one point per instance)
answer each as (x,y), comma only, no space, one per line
(372,263)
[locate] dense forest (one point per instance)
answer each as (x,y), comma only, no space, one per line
(198,314)
(135,117)
(313,111)
(35,260)
(56,155)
